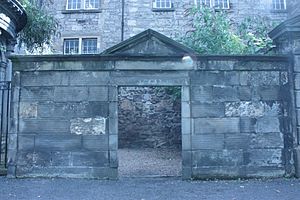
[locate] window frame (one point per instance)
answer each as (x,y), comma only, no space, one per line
(201,4)
(80,44)
(277,2)
(212,4)
(154,5)
(64,45)
(82,5)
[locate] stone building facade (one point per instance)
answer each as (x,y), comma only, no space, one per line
(104,23)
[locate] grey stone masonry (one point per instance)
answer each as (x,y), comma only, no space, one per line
(105,23)
(236,112)
(232,125)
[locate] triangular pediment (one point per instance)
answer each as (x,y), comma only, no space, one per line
(149,43)
(292,25)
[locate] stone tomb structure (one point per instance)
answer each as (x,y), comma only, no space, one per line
(236,117)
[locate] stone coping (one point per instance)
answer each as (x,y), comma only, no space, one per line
(149,63)
(97,57)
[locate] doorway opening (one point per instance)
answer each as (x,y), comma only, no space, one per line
(149,131)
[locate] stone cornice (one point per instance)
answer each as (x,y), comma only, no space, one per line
(13,17)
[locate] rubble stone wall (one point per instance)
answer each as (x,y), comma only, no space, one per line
(149,117)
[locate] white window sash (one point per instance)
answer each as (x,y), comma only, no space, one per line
(73,8)
(91,8)
(69,47)
(200,3)
(83,5)
(222,4)
(80,45)
(158,5)
(87,47)
(278,6)
(225,4)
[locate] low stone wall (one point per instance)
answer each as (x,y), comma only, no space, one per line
(236,114)
(149,117)
(240,118)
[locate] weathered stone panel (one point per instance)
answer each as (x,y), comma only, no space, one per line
(208,110)
(88,126)
(218,158)
(67,94)
(44,126)
(30,94)
(216,125)
(44,79)
(71,110)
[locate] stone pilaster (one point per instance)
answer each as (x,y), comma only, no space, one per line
(287,39)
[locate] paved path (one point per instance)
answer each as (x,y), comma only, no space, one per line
(148,189)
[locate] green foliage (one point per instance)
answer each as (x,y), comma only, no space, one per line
(174,91)
(254,33)
(39,29)
(213,33)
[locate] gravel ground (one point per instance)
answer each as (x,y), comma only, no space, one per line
(149,162)
(148,189)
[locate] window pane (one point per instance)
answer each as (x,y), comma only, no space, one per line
(71,46)
(204,3)
(91,4)
(221,4)
(279,4)
(73,4)
(162,4)
(89,45)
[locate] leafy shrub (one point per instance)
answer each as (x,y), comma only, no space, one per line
(39,29)
(213,33)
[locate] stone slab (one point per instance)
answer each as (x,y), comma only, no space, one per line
(150,65)
(208,141)
(58,142)
(217,158)
(49,78)
(87,78)
(208,110)
(69,110)
(44,126)
(237,141)
(216,125)
(90,158)
(268,125)
(70,94)
(264,157)
(26,142)
(67,172)
(98,93)
(95,142)
(29,94)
